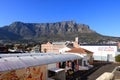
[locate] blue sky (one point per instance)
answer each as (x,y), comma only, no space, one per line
(103,16)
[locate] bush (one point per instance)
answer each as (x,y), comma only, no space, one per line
(117,58)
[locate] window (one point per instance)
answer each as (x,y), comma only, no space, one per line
(51,73)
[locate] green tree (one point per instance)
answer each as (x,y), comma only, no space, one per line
(117,58)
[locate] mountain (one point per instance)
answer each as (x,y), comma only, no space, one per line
(58,31)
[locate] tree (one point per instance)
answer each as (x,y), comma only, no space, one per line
(117,58)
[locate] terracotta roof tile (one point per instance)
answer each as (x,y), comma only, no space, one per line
(79,50)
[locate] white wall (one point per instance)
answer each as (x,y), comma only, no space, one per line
(51,65)
(102,51)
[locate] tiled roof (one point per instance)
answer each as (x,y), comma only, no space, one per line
(79,50)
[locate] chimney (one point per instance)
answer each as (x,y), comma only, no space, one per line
(76,43)
(76,39)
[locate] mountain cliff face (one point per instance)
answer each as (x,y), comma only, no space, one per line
(58,31)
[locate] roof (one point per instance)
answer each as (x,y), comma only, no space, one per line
(64,49)
(56,69)
(58,43)
(98,44)
(17,61)
(79,50)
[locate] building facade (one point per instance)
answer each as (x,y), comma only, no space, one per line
(52,47)
(102,52)
(57,46)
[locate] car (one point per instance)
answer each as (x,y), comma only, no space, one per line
(118,68)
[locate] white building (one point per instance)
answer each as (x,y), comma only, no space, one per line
(102,52)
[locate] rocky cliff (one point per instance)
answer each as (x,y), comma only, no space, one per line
(58,31)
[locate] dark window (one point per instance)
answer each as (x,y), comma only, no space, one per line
(51,73)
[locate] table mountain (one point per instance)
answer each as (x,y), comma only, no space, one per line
(58,31)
